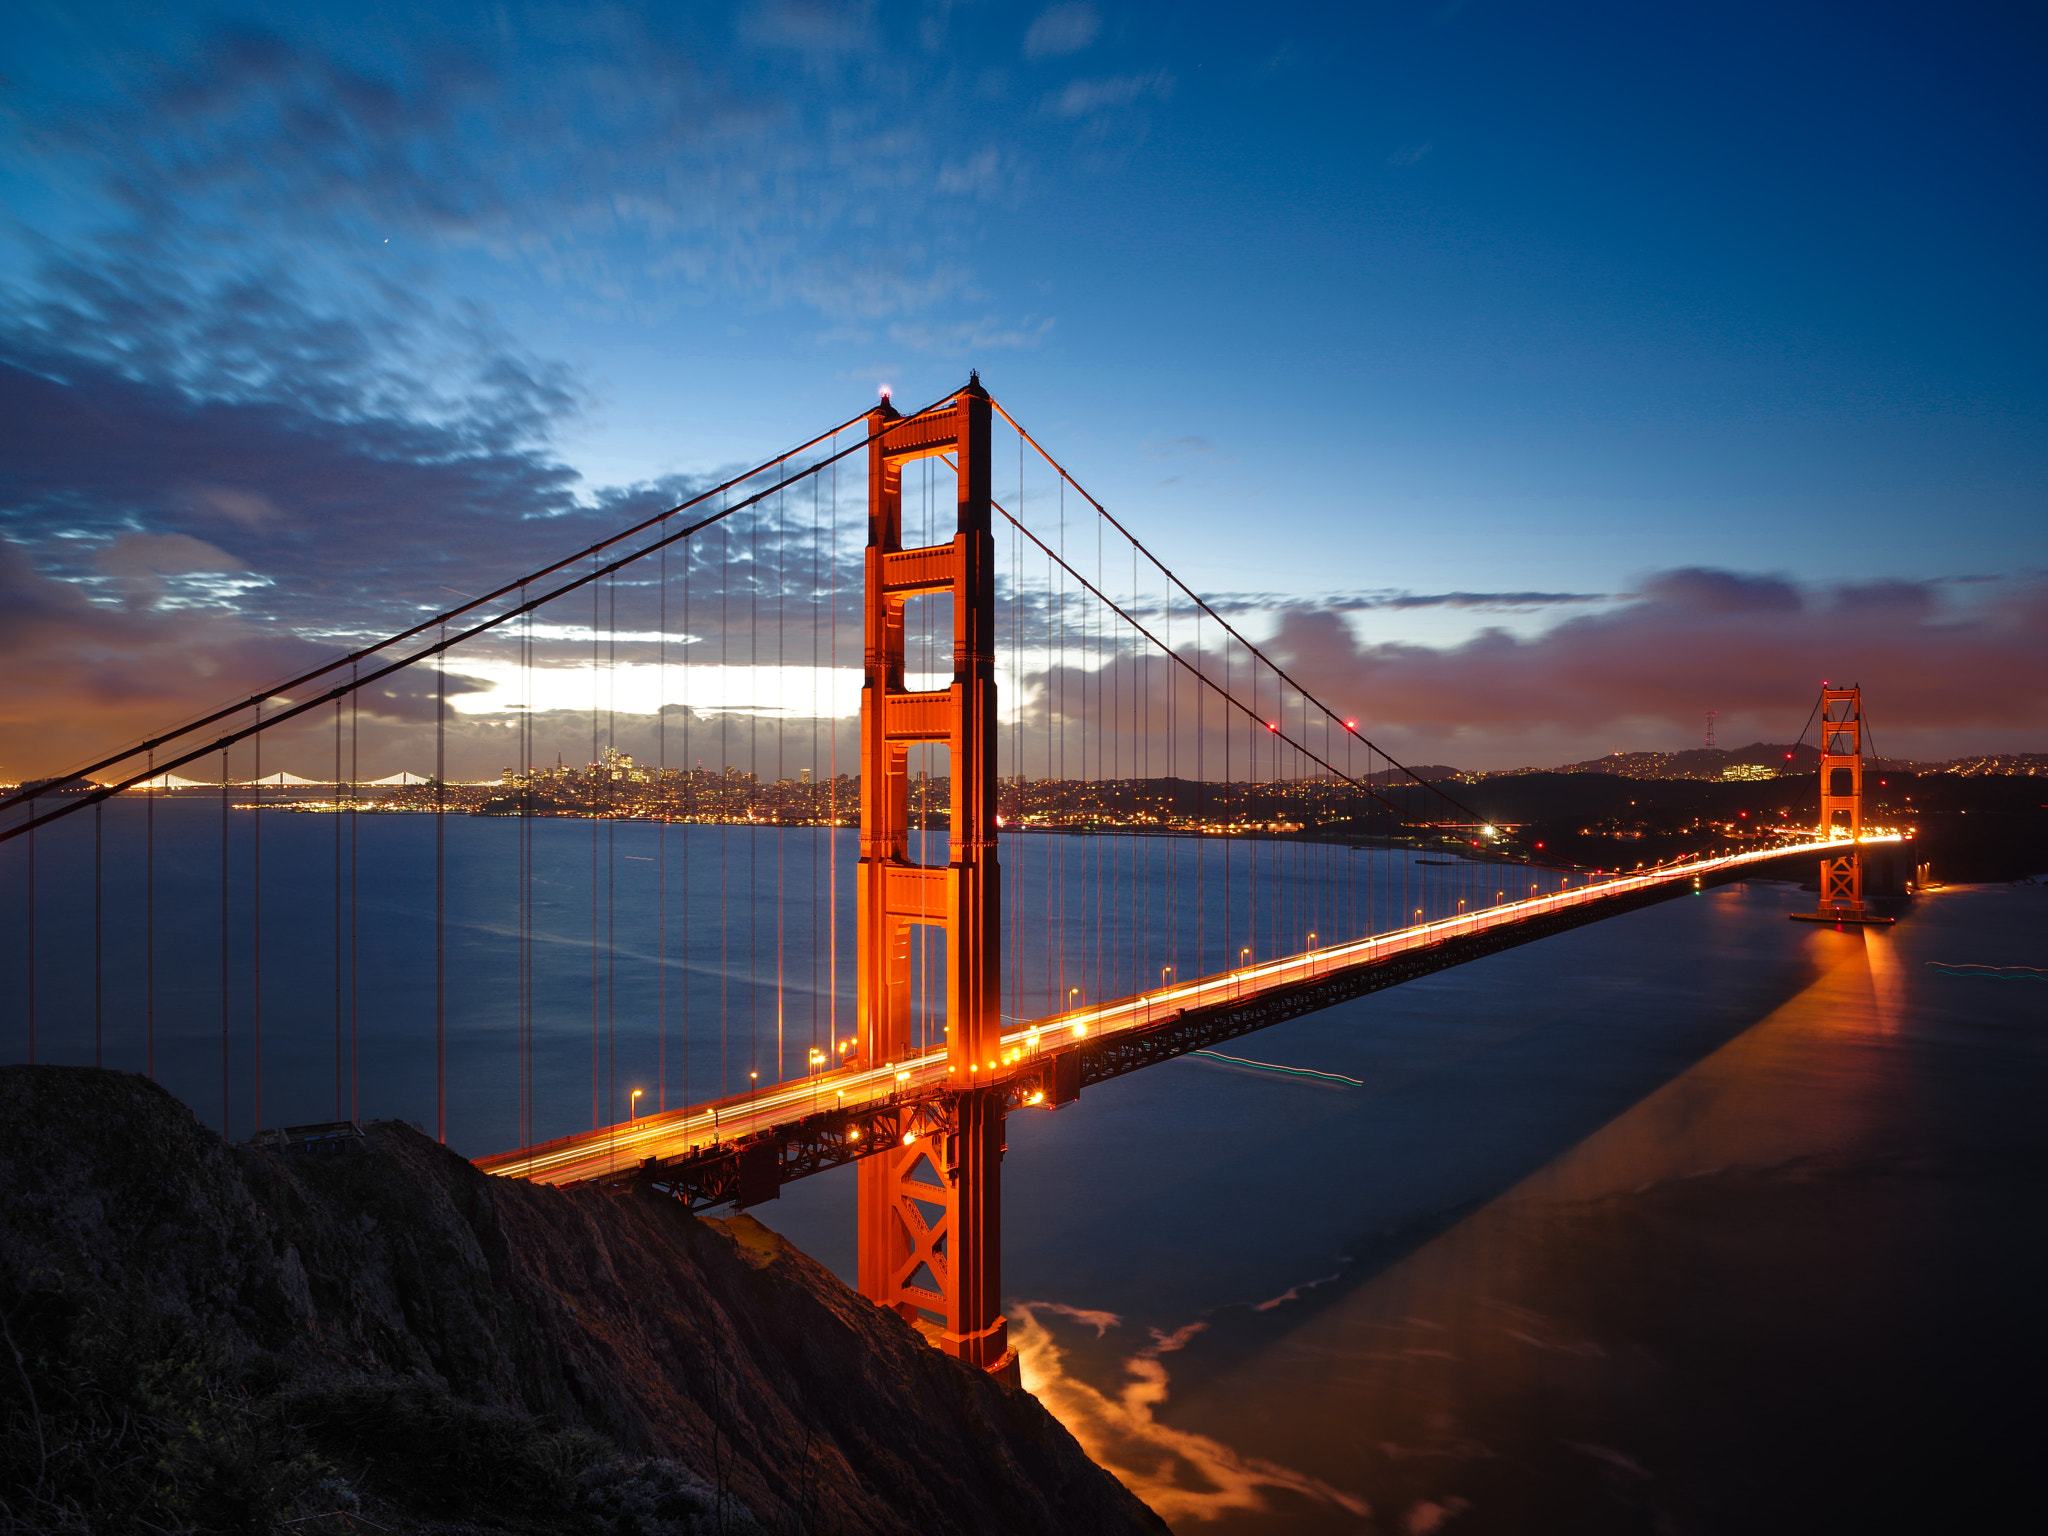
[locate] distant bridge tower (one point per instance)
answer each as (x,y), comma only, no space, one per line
(1710,728)
(930,1209)
(1841,808)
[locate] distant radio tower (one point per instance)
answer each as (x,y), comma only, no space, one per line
(1710,728)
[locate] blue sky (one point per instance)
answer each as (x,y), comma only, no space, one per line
(1330,302)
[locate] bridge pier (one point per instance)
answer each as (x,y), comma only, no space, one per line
(930,1210)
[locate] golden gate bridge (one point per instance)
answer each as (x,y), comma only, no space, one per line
(1200,845)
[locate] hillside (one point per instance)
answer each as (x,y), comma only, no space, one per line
(1969,827)
(206,1337)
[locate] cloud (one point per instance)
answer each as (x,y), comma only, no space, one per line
(1942,679)
(1361,602)
(82,675)
(1175,447)
(1409,154)
(1753,647)
(164,554)
(815,26)
(181,530)
(636,161)
(1084,97)
(965,337)
(1061,29)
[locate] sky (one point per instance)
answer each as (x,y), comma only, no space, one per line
(1533,378)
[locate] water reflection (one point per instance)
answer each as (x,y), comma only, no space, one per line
(1183,1475)
(1784,1291)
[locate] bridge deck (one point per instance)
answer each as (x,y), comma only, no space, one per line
(834,1116)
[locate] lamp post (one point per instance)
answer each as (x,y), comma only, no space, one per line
(633,1105)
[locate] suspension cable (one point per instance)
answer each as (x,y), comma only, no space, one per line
(444,644)
(1228,628)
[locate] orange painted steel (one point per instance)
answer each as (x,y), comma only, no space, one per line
(1841,807)
(929,1210)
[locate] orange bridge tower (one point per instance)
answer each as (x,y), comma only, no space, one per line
(930,1208)
(1841,808)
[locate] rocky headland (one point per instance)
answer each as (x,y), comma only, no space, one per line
(205,1337)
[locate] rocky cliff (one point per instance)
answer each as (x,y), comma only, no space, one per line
(205,1337)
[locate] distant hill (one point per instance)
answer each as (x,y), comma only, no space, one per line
(1760,759)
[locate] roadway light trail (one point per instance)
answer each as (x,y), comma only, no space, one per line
(701,1128)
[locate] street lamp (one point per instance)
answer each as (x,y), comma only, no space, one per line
(633,1105)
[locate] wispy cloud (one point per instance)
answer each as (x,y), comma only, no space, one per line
(1752,646)
(1061,29)
(636,161)
(1177,447)
(963,338)
(1082,98)
(1363,602)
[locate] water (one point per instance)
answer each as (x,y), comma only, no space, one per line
(1693,1220)
(690,962)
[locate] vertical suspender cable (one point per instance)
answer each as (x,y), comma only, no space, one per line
(355,995)
(256,917)
(526,797)
(661,839)
(590,801)
(611,854)
(336,808)
(224,943)
(832,801)
(689,823)
(441,895)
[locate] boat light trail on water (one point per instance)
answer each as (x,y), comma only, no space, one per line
(1274,1066)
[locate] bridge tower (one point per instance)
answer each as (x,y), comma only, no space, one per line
(1841,807)
(930,1209)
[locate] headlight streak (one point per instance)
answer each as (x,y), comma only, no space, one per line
(594,1154)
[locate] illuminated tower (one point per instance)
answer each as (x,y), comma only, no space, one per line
(930,1208)
(1841,808)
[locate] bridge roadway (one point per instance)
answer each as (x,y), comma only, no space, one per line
(743,1148)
